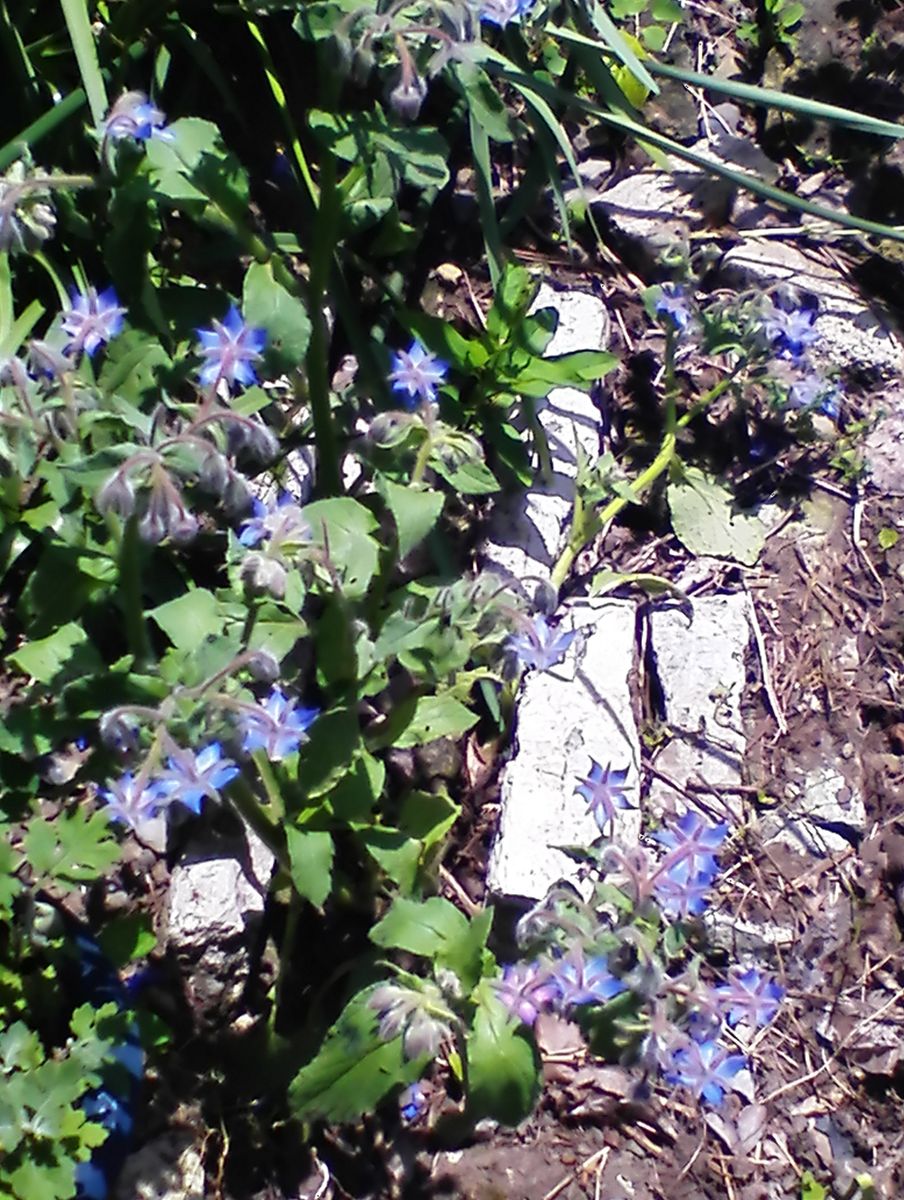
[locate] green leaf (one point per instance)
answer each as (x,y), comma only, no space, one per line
(414,510)
(311,862)
(417,154)
(428,816)
(484,102)
(267,304)
(419,926)
(195,172)
(65,654)
(503,1069)
(393,851)
(344,528)
(470,478)
(810,1189)
(127,938)
(706,521)
(580,369)
(654,585)
(76,848)
(353,1070)
(435,717)
(888,538)
(333,744)
(355,795)
(189,620)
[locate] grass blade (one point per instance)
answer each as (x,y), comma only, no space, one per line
(39,129)
(618,45)
(480,144)
(82,38)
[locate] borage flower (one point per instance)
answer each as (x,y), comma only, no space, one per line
(581,980)
(416,374)
(526,989)
(672,304)
(194,776)
(704,1068)
(134,116)
(133,800)
(540,647)
(791,333)
(276,727)
(605,791)
(503,12)
(94,319)
(691,844)
(749,997)
(230,349)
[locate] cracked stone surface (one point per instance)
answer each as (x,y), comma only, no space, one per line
(578,709)
(825,816)
(883,447)
(214,910)
(699,661)
(528,528)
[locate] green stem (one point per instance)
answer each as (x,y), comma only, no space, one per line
(130,592)
(584,529)
(329,481)
(248,807)
(423,457)
(271,787)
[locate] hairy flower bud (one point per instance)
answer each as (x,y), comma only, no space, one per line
(264,666)
(407,96)
(117,496)
(264,576)
(26,218)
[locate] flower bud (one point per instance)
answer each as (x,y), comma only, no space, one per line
(407,96)
(264,666)
(264,576)
(117,496)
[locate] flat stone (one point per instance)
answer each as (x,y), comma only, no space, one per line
(577,710)
(851,334)
(883,447)
(213,914)
(528,528)
(827,817)
(699,661)
(646,210)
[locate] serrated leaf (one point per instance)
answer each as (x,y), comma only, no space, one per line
(353,1070)
(503,1069)
(67,653)
(706,520)
(311,862)
(76,848)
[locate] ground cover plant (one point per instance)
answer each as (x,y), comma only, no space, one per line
(245,466)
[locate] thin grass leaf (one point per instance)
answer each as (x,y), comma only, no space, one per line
(82,37)
(740,179)
(480,144)
(45,124)
(619,46)
(767,98)
(22,327)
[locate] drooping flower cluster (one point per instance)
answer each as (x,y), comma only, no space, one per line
(276,533)
(27,218)
(189,777)
(418,1013)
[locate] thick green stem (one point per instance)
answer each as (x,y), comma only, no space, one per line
(130,592)
(329,481)
(248,807)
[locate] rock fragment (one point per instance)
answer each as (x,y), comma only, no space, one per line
(214,911)
(575,711)
(699,663)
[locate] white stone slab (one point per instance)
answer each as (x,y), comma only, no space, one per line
(577,710)
(528,528)
(699,664)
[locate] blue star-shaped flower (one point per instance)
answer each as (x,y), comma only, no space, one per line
(691,844)
(134,116)
(604,790)
(814,392)
(749,997)
(681,894)
(282,522)
(192,777)
(416,374)
(790,333)
(540,647)
(131,801)
(93,320)
(526,989)
(704,1068)
(583,980)
(672,304)
(230,349)
(276,727)
(502,12)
